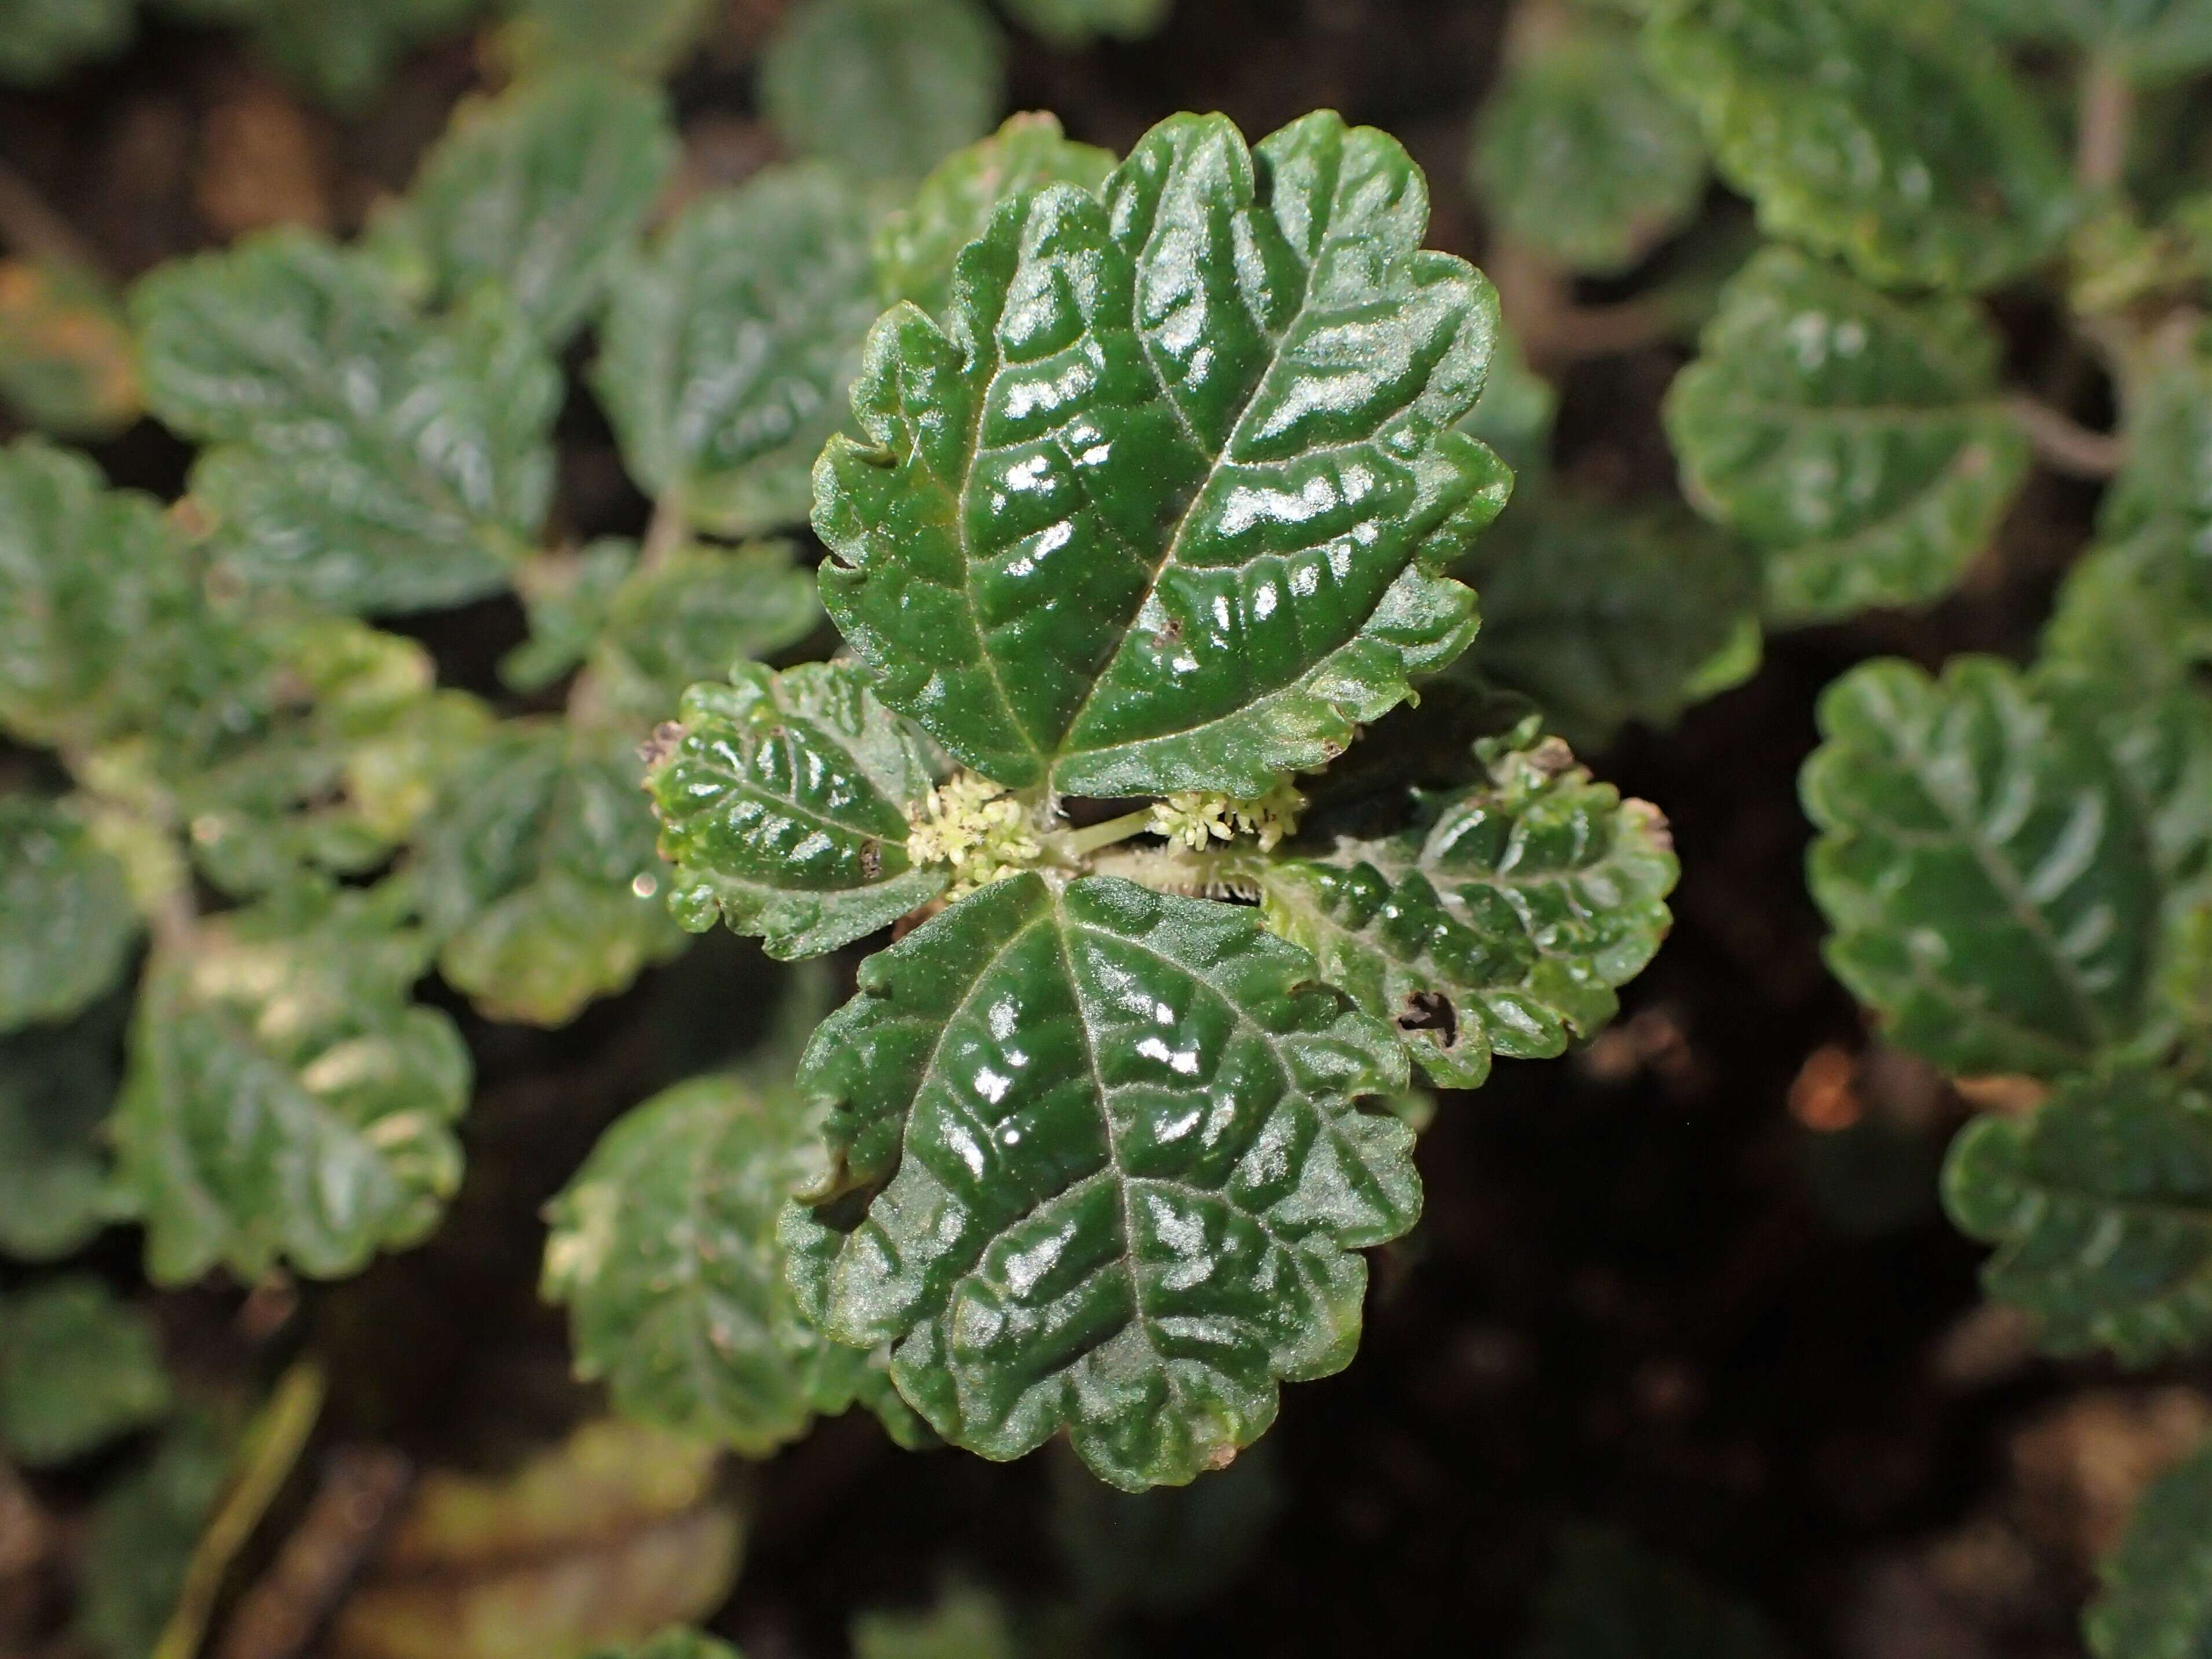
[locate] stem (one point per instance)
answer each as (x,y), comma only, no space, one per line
(664,535)
(2063,444)
(1069,846)
(35,231)
(1230,873)
(1555,331)
(2108,105)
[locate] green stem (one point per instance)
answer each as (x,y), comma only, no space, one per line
(1070,845)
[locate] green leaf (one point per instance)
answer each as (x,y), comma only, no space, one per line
(1878,130)
(542,190)
(1165,504)
(284,1104)
(77,1368)
(364,459)
(1099,1159)
(916,247)
(344,50)
(90,581)
(567,597)
(142,1536)
(1516,413)
(41,39)
(2146,39)
(663,1248)
(1601,616)
(2156,1602)
(65,918)
(1609,1599)
(2137,612)
(1169,1550)
(66,357)
(783,809)
(1500,923)
(1580,156)
(2100,1207)
(1072,23)
(56,1086)
(884,88)
(1862,440)
(2168,428)
(643,38)
(728,348)
(676,1643)
(537,872)
(965,1624)
(1992,885)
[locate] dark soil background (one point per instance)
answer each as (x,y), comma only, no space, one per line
(1691,1283)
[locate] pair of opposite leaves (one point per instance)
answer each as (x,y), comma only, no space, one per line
(1165,503)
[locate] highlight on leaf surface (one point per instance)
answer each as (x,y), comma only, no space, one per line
(1580,156)
(77,1368)
(664,1247)
(731,345)
(541,190)
(1882,131)
(1992,885)
(1099,1159)
(1501,923)
(284,1104)
(361,457)
(1165,503)
(2100,1207)
(785,807)
(1861,440)
(65,915)
(886,88)
(2157,1599)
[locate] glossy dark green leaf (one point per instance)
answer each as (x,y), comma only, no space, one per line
(1607,1598)
(663,1248)
(1071,23)
(2156,1599)
(965,1624)
(2100,1207)
(647,38)
(142,1536)
(41,39)
(1581,156)
(284,1102)
(915,247)
(886,88)
(1099,1160)
(363,459)
(1879,129)
(730,346)
(1500,924)
(77,1368)
(537,874)
(1601,616)
(1860,439)
(67,363)
(783,809)
(2147,39)
(65,917)
(1165,504)
(90,578)
(1991,886)
(541,190)
(56,1084)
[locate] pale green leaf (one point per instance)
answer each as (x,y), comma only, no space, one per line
(65,917)
(541,190)
(915,247)
(77,1368)
(363,459)
(1071,23)
(2137,612)
(1501,923)
(1992,886)
(1860,439)
(783,809)
(284,1102)
(567,597)
(884,88)
(730,346)
(1580,157)
(537,874)
(1100,1160)
(1166,502)
(2100,1207)
(1878,130)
